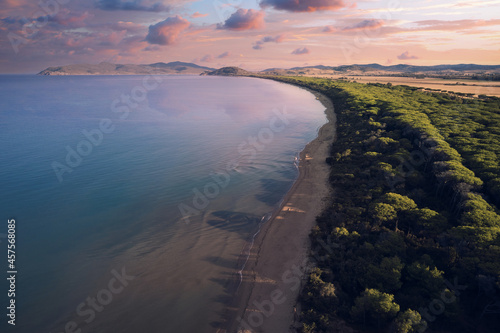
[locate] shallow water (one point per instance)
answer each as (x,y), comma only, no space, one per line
(170,192)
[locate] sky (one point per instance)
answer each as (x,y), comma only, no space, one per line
(252,34)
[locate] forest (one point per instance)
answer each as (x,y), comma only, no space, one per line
(410,239)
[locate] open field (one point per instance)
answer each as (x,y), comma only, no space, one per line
(464,86)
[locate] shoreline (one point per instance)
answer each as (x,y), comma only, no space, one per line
(276,266)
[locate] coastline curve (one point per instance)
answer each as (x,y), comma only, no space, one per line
(277,263)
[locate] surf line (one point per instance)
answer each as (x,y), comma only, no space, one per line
(264,219)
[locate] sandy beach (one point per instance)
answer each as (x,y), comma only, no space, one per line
(266,300)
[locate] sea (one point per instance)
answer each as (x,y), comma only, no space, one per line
(133,200)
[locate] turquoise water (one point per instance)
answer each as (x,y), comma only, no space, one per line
(164,179)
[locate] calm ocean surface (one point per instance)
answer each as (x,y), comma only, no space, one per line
(135,197)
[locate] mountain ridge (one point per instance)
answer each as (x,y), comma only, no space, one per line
(106,68)
(180,67)
(394,68)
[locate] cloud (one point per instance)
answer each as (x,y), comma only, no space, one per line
(16,7)
(198,14)
(258,45)
(384,29)
(244,19)
(268,39)
(207,58)
(406,56)
(224,55)
(69,19)
(9,20)
(64,18)
(365,24)
(303,5)
(455,25)
(151,48)
(276,39)
(113,38)
(329,29)
(9,3)
(166,32)
(458,26)
(129,26)
(137,5)
(299,51)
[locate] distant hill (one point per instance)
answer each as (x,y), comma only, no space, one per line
(380,69)
(179,67)
(105,68)
(410,68)
(227,71)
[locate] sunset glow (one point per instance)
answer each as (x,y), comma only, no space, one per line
(254,35)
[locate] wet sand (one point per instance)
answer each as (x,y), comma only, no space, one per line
(266,300)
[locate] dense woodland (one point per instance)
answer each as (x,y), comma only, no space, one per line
(410,241)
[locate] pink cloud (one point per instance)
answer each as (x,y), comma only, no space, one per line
(329,29)
(244,19)
(151,48)
(128,26)
(303,5)
(167,32)
(276,39)
(365,24)
(455,25)
(268,39)
(207,58)
(406,56)
(197,14)
(224,55)
(66,18)
(300,51)
(113,38)
(459,26)
(10,3)
(129,46)
(13,7)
